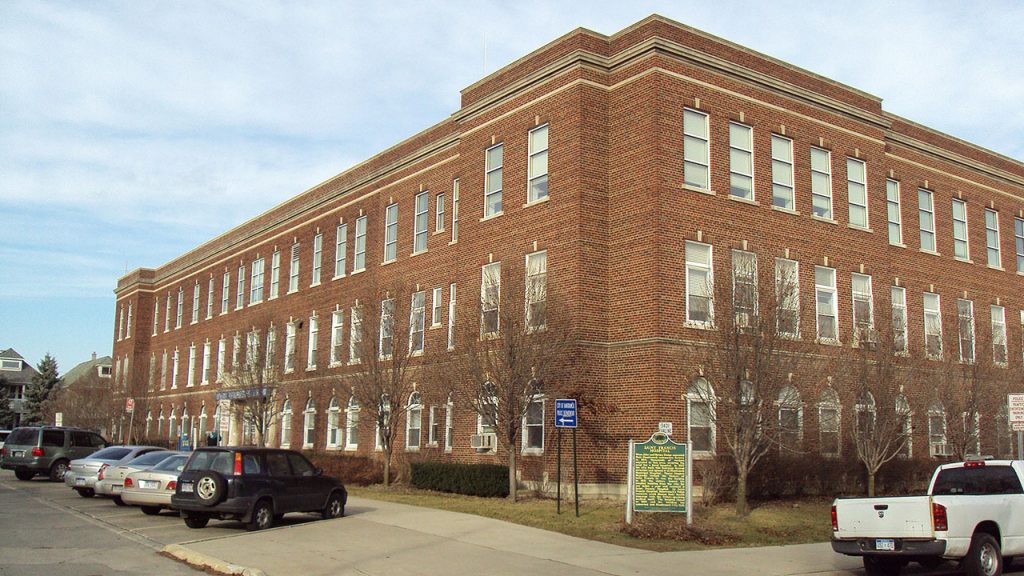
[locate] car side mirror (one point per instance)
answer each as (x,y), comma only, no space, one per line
(318,472)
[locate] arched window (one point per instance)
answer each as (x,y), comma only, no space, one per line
(149,422)
(972,433)
(384,415)
(333,431)
(865,416)
(308,424)
(201,433)
(171,430)
(903,414)
(286,423)
(186,422)
(829,422)
(449,431)
(413,421)
(937,445)
(352,424)
(216,422)
(700,417)
(160,423)
(791,418)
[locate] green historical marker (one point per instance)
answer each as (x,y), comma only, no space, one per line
(660,475)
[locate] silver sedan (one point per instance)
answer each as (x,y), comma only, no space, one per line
(110,479)
(82,473)
(152,489)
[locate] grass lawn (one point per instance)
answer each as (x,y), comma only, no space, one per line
(769,523)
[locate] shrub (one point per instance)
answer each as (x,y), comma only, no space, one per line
(350,469)
(488,480)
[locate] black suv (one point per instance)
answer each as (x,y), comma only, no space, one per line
(32,450)
(256,486)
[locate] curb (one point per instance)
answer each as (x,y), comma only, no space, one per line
(208,563)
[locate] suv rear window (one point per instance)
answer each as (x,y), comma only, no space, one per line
(112,453)
(977,481)
(216,460)
(24,437)
(53,437)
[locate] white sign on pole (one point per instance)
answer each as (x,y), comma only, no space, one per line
(665,428)
(1015,403)
(59,417)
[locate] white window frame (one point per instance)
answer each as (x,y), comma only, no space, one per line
(455,211)
(337,336)
(706,267)
(181,304)
(174,370)
(391,233)
(275,274)
(311,344)
(821,184)
(256,283)
(209,300)
(783,191)
(493,195)
(333,428)
(926,219)
(696,150)
(436,307)
(490,279)
(318,259)
(527,424)
(289,347)
(961,238)
(789,301)
(451,316)
(167,314)
(935,314)
(352,424)
(993,246)
(999,340)
(195,303)
(965,330)
(537,175)
(744,274)
(432,427)
(695,394)
(858,201)
(293,268)
(355,334)
(941,447)
(414,422)
(898,297)
(225,293)
(1018,242)
(449,430)
(309,424)
(240,291)
(156,315)
(387,328)
(536,289)
(191,366)
(340,250)
(222,349)
(738,151)
(286,424)
(862,294)
(421,208)
(359,251)
(894,211)
(833,292)
(439,213)
(417,322)
(830,401)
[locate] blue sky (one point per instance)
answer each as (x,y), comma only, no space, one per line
(131,132)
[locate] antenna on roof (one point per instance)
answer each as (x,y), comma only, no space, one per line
(483,39)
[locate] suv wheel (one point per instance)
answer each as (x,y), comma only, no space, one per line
(24,474)
(335,507)
(210,488)
(262,516)
(58,470)
(196,520)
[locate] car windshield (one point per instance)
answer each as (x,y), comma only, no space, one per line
(112,453)
(23,437)
(216,460)
(173,464)
(150,459)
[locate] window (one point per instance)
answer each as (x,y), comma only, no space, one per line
(256,287)
(286,423)
(926,219)
(998,334)
(318,257)
(449,430)
(355,336)
(191,366)
(790,418)
(209,302)
(436,307)
(293,269)
(741,161)
(455,211)
(866,416)
(434,429)
(359,256)
(536,290)
(700,417)
(490,295)
(387,328)
(533,427)
(171,424)
(311,346)
(857,190)
(174,370)
(120,323)
(787,294)
(992,238)
(337,336)
(289,347)
(932,326)
(825,298)
(221,352)
(419,233)
(160,423)
(413,422)
(156,315)
(333,431)
(195,303)
(309,424)
(163,371)
(1005,438)
(240,293)
(899,319)
(252,350)
(236,350)
(451,317)
(384,410)
(391,233)
(417,320)
(829,416)
(937,431)
(439,213)
(268,361)
(695,150)
(494,158)
(961,248)
(892,204)
(821,183)
(352,424)
(167,314)
(202,423)
(1018,235)
(225,292)
(863,310)
(152,371)
(275,274)
(782,173)
(699,285)
(340,248)
(906,428)
(744,287)
(181,304)
(965,318)
(538,168)
(128,326)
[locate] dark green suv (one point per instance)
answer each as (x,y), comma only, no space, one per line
(32,450)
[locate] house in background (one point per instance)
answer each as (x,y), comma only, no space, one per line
(16,374)
(89,370)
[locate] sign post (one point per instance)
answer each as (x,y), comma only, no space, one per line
(565,417)
(659,477)
(129,407)
(1015,410)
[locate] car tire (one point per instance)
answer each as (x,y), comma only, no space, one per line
(150,510)
(58,470)
(335,507)
(210,488)
(119,501)
(196,521)
(984,557)
(262,516)
(85,492)
(882,566)
(24,475)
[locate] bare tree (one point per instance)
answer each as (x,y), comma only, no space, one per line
(752,348)
(388,333)
(254,385)
(89,403)
(513,347)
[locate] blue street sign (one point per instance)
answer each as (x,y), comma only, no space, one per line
(565,413)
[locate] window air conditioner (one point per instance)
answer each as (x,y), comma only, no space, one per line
(483,441)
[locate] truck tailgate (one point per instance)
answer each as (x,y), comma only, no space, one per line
(897,517)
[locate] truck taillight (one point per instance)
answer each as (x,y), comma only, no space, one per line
(99,475)
(835,519)
(238,463)
(974,464)
(939,520)
(37,451)
(128,483)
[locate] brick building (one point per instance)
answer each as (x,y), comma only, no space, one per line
(630,169)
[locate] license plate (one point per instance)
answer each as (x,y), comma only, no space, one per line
(19,453)
(186,487)
(79,481)
(885,544)
(116,489)
(148,484)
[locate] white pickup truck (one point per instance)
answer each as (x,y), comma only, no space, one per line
(973,513)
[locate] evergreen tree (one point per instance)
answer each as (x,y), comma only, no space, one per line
(6,414)
(39,391)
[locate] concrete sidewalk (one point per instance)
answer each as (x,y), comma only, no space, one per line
(383,538)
